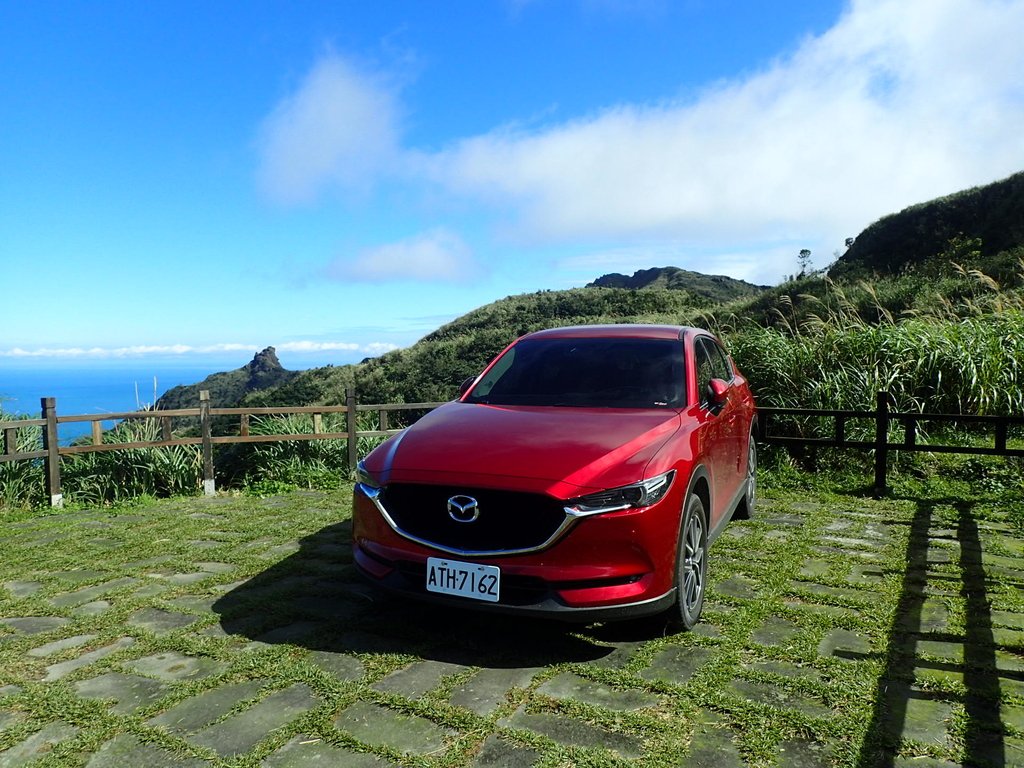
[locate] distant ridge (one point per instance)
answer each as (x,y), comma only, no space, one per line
(715,288)
(227,389)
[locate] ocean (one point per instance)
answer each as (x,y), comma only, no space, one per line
(111,387)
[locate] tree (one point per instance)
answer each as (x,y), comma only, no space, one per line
(804,260)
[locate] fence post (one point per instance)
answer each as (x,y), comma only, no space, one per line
(350,427)
(881,441)
(51,445)
(209,485)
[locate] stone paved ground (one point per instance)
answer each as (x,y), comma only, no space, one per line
(849,634)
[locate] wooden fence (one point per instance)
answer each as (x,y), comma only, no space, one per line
(205,413)
(882,417)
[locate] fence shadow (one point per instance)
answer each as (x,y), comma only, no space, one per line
(314,598)
(920,627)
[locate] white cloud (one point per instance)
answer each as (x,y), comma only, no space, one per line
(437,255)
(901,101)
(338,128)
(174,350)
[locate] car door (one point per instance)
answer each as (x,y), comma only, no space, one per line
(718,453)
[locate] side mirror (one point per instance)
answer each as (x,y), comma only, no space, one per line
(464,387)
(718,394)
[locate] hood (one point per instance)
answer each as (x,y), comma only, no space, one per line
(563,450)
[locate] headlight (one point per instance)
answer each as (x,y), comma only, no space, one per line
(366,481)
(642,494)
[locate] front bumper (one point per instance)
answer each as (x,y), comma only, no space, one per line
(606,567)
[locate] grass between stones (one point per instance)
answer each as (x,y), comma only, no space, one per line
(234,632)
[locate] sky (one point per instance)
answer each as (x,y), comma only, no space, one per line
(199,180)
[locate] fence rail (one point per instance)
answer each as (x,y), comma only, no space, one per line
(52,452)
(882,418)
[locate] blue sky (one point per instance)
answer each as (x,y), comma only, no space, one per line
(203,179)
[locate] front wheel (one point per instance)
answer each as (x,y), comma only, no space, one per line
(691,565)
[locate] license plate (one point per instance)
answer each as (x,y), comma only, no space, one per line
(450,577)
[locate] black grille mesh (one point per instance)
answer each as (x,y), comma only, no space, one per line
(508,520)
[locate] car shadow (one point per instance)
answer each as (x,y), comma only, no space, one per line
(315,599)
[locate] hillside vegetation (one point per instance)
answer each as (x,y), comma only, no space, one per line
(920,305)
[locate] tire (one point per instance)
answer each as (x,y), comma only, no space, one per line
(745,510)
(691,565)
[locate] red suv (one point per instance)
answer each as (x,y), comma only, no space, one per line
(581,476)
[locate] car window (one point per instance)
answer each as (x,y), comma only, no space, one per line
(587,372)
(711,364)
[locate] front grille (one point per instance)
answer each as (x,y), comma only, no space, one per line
(508,520)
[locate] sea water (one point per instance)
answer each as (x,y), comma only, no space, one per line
(94,389)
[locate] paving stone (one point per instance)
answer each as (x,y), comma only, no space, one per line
(339,665)
(64,668)
(866,574)
(799,753)
(417,679)
(844,644)
(291,633)
(787,669)
(925,720)
(712,746)
(938,674)
(159,621)
(152,590)
(216,567)
(812,569)
(77,576)
(37,745)
(186,579)
(941,649)
(1013,715)
(487,689)
(378,726)
(852,544)
(129,692)
(89,594)
(570,686)
(774,696)
(22,589)
(10,717)
(306,751)
(127,750)
(1010,619)
(195,713)
(676,664)
(61,645)
(844,593)
(195,603)
(793,521)
(776,631)
(819,609)
(240,733)
(739,586)
(498,753)
(34,625)
(1010,638)
(571,732)
(619,653)
(932,617)
(281,551)
(923,762)
(9,690)
(172,666)
(95,608)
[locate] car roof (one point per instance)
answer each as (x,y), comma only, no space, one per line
(623,331)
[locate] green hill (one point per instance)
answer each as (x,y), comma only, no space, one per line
(229,388)
(991,216)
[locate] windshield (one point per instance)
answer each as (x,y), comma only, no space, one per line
(587,372)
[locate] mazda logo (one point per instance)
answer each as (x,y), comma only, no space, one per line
(463,509)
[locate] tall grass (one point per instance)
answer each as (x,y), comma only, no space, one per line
(21,482)
(301,463)
(113,476)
